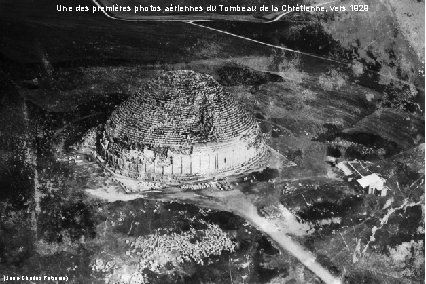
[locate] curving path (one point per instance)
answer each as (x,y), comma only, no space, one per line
(236,202)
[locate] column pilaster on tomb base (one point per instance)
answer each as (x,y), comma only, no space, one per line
(186,165)
(195,164)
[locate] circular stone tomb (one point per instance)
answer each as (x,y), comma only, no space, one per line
(179,126)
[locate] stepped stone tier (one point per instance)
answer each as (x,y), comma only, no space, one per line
(181,125)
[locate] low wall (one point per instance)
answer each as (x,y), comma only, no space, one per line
(202,161)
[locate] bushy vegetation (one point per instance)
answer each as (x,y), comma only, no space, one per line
(165,251)
(157,250)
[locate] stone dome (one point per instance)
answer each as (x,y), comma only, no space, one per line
(180,124)
(180,108)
